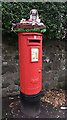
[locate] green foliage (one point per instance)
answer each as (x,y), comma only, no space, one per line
(52,14)
(29,30)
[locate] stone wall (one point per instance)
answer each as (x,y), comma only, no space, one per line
(54,65)
(53,69)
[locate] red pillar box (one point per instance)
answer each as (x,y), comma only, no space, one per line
(30,55)
(30,60)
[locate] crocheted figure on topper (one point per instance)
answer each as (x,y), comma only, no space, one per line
(34,17)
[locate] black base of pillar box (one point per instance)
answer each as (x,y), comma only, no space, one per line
(30,98)
(30,104)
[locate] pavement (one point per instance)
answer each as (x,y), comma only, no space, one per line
(13,108)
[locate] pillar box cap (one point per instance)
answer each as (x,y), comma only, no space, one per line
(31,24)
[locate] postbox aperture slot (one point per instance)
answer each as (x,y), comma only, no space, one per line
(34,41)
